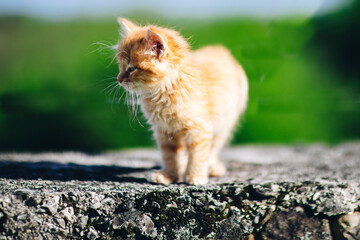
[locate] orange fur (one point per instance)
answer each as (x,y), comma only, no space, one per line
(192,99)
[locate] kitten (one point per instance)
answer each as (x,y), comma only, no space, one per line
(192,99)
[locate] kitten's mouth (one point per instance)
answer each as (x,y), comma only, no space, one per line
(127,84)
(123,82)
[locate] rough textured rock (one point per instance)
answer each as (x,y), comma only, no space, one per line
(270,192)
(347,226)
(295,223)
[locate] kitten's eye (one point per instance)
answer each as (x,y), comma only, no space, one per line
(131,69)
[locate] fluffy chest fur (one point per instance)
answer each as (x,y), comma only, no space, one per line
(167,112)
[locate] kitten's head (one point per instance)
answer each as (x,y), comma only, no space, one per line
(148,56)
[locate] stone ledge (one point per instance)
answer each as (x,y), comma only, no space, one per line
(270,192)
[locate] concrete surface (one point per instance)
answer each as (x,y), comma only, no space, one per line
(270,192)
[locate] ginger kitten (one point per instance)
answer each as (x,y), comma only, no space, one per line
(192,99)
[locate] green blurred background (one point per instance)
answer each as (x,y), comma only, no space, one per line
(56,79)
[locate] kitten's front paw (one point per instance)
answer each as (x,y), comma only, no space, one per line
(196,179)
(160,177)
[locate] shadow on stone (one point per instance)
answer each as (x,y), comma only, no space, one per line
(69,171)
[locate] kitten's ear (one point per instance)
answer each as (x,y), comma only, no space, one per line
(157,42)
(126,26)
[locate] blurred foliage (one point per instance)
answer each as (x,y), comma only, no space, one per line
(56,81)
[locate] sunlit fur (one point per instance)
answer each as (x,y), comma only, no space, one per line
(192,99)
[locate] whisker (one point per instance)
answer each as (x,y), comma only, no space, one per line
(110,86)
(104,46)
(101,46)
(111,62)
(116,99)
(106,79)
(110,93)
(137,111)
(113,92)
(122,94)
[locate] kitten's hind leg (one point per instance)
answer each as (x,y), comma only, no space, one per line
(182,158)
(174,159)
(216,167)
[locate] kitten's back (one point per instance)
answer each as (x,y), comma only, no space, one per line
(224,82)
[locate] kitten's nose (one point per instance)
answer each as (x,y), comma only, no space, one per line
(120,78)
